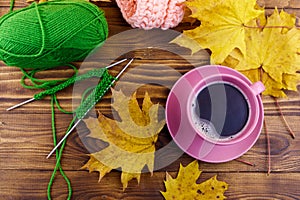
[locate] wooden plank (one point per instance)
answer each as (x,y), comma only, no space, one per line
(18,3)
(279,3)
(86,186)
(26,138)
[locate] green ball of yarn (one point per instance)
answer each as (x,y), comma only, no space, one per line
(51,34)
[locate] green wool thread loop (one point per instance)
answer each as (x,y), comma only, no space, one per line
(43,84)
(51,34)
(59,106)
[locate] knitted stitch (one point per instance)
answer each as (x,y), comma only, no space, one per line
(148,14)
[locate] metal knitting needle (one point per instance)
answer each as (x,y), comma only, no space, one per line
(20,104)
(79,120)
(33,99)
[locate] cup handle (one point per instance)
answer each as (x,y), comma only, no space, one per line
(257,87)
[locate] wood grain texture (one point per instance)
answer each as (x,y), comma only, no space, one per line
(26,138)
(241,185)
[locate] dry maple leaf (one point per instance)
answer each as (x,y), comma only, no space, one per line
(222,28)
(185,186)
(131,140)
(271,54)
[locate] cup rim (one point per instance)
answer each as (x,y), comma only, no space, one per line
(249,95)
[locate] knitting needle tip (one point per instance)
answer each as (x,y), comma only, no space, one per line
(20,104)
(127,65)
(63,139)
(116,63)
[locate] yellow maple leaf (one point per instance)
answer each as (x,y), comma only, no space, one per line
(185,186)
(131,140)
(271,54)
(223,25)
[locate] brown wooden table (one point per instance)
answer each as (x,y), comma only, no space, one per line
(25,138)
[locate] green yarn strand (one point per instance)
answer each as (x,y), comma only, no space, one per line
(12,3)
(58,154)
(59,106)
(42,84)
(51,34)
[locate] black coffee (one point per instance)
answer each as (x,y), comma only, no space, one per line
(223,106)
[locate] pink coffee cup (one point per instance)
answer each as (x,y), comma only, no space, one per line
(226,94)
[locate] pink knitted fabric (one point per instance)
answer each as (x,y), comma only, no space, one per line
(148,14)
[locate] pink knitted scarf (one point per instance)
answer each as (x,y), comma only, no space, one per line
(148,14)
